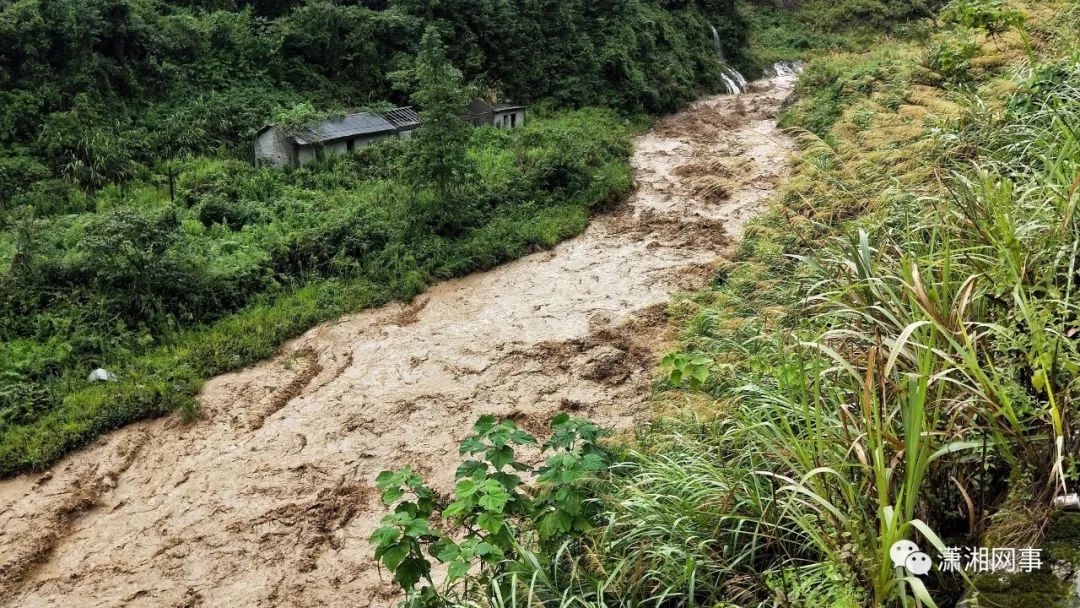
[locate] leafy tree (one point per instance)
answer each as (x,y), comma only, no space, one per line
(437,156)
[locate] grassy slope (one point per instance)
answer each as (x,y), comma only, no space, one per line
(909,291)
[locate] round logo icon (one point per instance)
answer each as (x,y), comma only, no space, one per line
(900,551)
(918,563)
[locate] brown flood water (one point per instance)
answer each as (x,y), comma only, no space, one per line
(268,499)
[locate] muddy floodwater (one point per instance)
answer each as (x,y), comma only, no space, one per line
(268,499)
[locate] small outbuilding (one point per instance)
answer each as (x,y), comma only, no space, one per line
(508,115)
(275,146)
(500,115)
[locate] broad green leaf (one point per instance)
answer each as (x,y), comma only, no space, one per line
(393,555)
(392,495)
(385,535)
(470,468)
(466,487)
(472,445)
(500,457)
(411,571)
(490,522)
(418,527)
(458,508)
(387,479)
(593,462)
(495,501)
(1038,380)
(458,569)
(522,438)
(484,424)
(448,552)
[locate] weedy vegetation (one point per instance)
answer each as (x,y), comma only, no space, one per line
(491,511)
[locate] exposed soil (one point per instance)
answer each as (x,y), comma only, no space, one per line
(267,499)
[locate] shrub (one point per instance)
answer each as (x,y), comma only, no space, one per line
(992,16)
(16,176)
(217,181)
(491,507)
(951,57)
(49,197)
(233,215)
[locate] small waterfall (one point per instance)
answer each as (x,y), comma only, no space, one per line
(733,80)
(784,69)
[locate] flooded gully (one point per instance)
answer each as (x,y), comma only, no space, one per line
(268,499)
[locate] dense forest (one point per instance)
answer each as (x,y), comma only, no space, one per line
(100,92)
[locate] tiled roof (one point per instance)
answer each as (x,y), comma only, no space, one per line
(364,123)
(371,123)
(402,118)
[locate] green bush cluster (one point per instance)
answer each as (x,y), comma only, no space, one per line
(803,29)
(476,532)
(950,56)
(992,16)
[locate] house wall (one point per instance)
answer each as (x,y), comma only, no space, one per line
(502,119)
(271,148)
(367,140)
(310,153)
(335,147)
(305,155)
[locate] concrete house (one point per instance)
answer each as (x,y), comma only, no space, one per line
(500,115)
(275,147)
(508,115)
